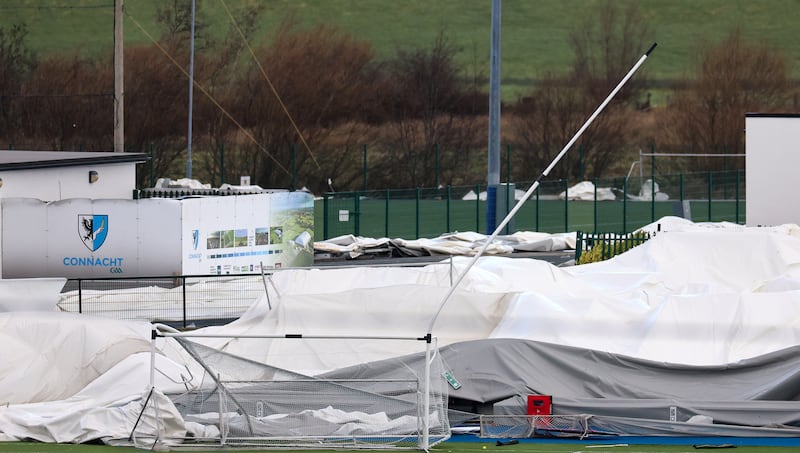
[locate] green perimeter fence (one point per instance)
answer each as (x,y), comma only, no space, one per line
(430,212)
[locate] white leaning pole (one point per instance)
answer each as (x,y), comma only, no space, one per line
(535,185)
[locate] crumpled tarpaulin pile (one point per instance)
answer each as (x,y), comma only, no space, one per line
(459,244)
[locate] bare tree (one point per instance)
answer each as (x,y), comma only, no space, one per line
(17,62)
(544,122)
(156,96)
(733,77)
(215,132)
(68,104)
(312,85)
(175,19)
(431,101)
(607,42)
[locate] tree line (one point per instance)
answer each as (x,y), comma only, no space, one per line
(306,101)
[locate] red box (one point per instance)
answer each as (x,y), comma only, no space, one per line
(540,404)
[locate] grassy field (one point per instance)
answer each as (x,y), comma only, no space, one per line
(447,447)
(535,34)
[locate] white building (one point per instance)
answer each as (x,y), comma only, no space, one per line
(60,175)
(73,215)
(772,141)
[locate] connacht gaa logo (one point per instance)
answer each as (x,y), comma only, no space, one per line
(92,229)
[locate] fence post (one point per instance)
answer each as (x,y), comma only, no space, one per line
(152,167)
(221,164)
(566,205)
(578,246)
(737,195)
(436,165)
(80,295)
(183,283)
(538,189)
(508,166)
(416,216)
(595,204)
(386,212)
(449,194)
(325,216)
(478,208)
(683,195)
(652,183)
(357,214)
(625,205)
(709,196)
(294,167)
(365,168)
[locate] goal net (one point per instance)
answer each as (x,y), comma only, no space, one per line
(526,426)
(240,403)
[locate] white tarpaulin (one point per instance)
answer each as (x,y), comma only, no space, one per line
(694,295)
(459,243)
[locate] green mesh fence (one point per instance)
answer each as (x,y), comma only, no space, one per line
(430,212)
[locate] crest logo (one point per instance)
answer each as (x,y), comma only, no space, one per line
(92,229)
(195,238)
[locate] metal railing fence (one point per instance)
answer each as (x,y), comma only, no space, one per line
(606,245)
(180,301)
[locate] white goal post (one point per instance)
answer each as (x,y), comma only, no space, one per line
(240,403)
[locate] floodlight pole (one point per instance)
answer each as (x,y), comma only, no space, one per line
(493,163)
(191,91)
(119,92)
(536,183)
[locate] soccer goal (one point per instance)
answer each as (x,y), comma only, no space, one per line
(397,403)
(526,426)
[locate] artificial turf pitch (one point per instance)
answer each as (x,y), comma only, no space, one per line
(450,447)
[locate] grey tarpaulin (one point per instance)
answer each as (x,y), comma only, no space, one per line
(636,395)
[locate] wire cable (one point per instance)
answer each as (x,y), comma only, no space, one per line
(208,95)
(269,82)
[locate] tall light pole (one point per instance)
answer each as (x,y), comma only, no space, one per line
(493,178)
(191,91)
(119,111)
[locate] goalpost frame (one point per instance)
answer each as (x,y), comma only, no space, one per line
(165,331)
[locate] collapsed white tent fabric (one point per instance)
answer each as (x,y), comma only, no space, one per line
(586,191)
(466,243)
(695,294)
(30,294)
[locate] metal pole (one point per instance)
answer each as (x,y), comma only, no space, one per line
(535,185)
(595,205)
(566,205)
(294,167)
(493,177)
(737,196)
(449,194)
(191,91)
(416,215)
(436,165)
(386,213)
(625,205)
(477,207)
(221,164)
(183,287)
(325,215)
(152,167)
(365,168)
(653,187)
(119,92)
